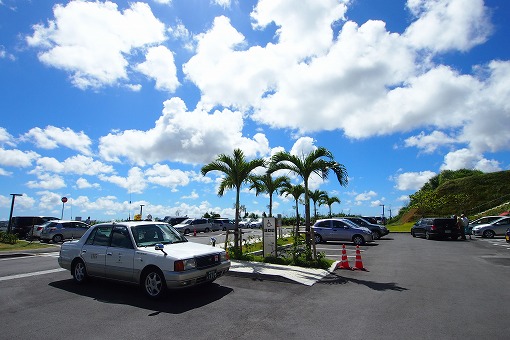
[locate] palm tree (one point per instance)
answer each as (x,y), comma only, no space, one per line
(266,183)
(316,196)
(295,191)
(329,202)
(320,161)
(237,171)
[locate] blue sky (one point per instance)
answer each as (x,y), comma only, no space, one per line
(112,102)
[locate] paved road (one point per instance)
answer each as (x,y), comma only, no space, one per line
(413,289)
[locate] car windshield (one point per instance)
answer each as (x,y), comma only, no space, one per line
(151,234)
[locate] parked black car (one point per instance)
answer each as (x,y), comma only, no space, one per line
(438,228)
(377,230)
(23,225)
(173,220)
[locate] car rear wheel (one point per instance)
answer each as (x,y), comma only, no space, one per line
(186,231)
(79,272)
(488,234)
(153,284)
(358,240)
(318,239)
(57,238)
(207,230)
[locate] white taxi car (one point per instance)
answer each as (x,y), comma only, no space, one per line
(151,254)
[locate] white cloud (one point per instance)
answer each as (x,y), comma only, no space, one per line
(367,195)
(160,66)
(81,165)
(429,143)
(444,25)
(166,177)
(413,180)
(51,137)
(135,181)
(17,158)
(82,183)
(222,3)
(3,172)
(47,181)
(468,159)
(6,137)
(192,196)
(92,40)
(179,135)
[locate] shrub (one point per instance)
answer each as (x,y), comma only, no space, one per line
(8,238)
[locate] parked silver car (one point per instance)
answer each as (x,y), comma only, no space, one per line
(256,224)
(339,229)
(194,224)
(495,228)
(151,254)
(58,231)
(224,224)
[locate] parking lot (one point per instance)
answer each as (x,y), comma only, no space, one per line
(413,289)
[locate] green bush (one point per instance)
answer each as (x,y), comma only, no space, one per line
(8,238)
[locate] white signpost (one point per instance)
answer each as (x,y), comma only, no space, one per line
(269,236)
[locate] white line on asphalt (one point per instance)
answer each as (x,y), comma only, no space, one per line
(19,276)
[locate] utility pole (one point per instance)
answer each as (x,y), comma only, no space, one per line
(9,225)
(141,207)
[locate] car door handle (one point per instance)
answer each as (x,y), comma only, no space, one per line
(109,254)
(83,251)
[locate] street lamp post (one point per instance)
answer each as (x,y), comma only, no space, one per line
(382,205)
(9,225)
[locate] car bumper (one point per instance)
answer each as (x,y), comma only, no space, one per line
(195,277)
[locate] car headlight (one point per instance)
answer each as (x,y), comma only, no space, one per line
(182,265)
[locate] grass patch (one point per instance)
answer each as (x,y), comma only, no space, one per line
(400,228)
(23,245)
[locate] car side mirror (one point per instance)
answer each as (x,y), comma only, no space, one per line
(160,246)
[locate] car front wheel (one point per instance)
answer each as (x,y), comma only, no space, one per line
(186,231)
(57,238)
(79,272)
(376,235)
(153,284)
(488,234)
(318,239)
(358,240)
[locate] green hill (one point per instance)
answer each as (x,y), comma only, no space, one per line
(464,191)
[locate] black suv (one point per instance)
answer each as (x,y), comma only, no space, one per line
(173,220)
(436,228)
(22,225)
(377,230)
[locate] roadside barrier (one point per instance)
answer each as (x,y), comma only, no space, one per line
(344,263)
(358,265)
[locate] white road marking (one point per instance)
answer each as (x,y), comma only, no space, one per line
(19,276)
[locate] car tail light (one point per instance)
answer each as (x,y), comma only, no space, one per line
(39,228)
(433,227)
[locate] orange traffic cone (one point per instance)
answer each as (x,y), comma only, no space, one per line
(344,264)
(358,265)
(194,232)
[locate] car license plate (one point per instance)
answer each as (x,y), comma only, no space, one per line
(447,231)
(211,275)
